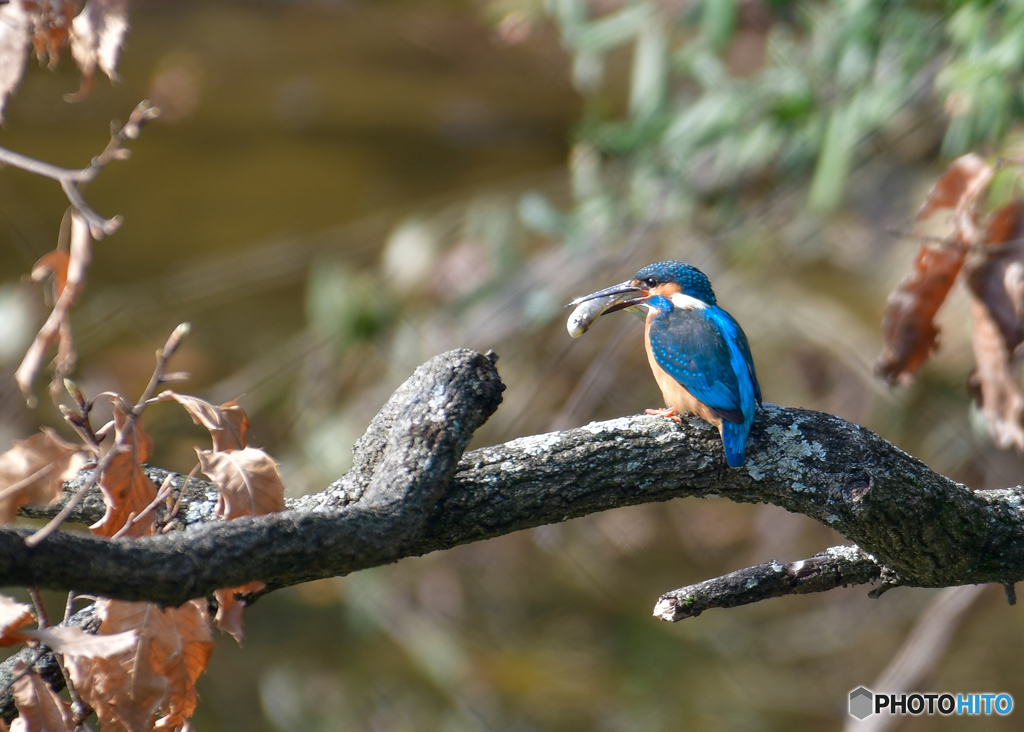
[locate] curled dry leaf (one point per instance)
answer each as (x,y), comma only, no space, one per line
(995,277)
(248,482)
(96,37)
(71,640)
(40,709)
(34,471)
(51,24)
(908,326)
(230,607)
(53,263)
(57,327)
(13,615)
(127,490)
(155,674)
(227,423)
(15,34)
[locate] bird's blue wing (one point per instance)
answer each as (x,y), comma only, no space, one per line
(744,349)
(707,353)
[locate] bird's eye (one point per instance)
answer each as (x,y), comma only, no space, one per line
(651,282)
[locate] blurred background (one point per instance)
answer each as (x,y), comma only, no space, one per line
(339,190)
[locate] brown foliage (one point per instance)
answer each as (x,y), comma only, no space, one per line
(15,36)
(34,471)
(908,326)
(991,257)
(227,423)
(40,709)
(53,263)
(144,660)
(995,277)
(95,35)
(127,490)
(57,328)
(13,615)
(248,482)
(155,674)
(231,605)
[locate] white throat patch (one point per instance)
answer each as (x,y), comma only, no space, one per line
(685,302)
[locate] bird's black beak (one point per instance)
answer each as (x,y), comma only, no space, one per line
(621,290)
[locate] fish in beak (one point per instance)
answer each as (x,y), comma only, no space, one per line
(609,300)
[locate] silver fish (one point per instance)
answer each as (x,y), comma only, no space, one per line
(587,312)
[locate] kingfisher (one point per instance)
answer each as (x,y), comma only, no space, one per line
(698,352)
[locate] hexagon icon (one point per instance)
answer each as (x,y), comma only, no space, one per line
(861,703)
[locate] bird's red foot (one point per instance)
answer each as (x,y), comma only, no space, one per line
(669,412)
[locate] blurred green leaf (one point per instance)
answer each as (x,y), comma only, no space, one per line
(717,22)
(612,30)
(650,72)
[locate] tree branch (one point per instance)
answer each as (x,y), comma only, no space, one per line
(838,566)
(71,180)
(407,496)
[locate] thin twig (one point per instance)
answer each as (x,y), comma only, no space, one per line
(181,495)
(103,431)
(79,708)
(70,179)
(165,490)
(42,618)
(162,356)
(73,502)
(69,606)
(80,420)
(954,244)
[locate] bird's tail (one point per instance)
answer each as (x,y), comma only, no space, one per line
(734,438)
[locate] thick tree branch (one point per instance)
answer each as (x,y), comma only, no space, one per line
(921,528)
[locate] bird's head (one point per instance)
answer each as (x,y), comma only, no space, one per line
(678,283)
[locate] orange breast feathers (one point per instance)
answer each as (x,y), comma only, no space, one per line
(674,393)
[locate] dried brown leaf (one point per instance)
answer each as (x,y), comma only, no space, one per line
(40,709)
(996,275)
(34,471)
(13,615)
(52,263)
(227,423)
(57,326)
(157,674)
(96,37)
(71,640)
(127,490)
(908,326)
(51,25)
(995,278)
(959,187)
(230,607)
(248,482)
(15,34)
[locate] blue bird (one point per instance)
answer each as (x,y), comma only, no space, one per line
(698,352)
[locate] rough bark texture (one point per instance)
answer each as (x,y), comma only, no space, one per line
(835,567)
(413,491)
(409,493)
